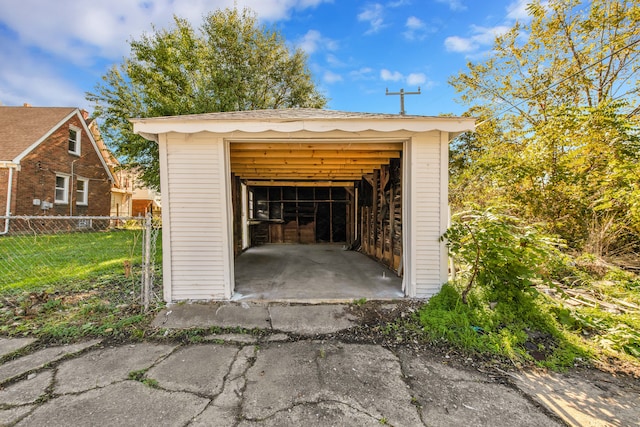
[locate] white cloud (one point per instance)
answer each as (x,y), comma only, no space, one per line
(517,10)
(309,42)
(484,36)
(393,76)
(487,35)
(414,23)
(459,44)
(416,29)
(313,41)
(334,61)
(82,30)
(373,14)
(412,79)
(51,45)
(25,79)
(416,79)
(331,77)
(454,4)
(362,73)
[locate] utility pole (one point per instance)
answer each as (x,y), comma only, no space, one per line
(402,93)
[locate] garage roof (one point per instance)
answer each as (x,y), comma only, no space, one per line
(297,119)
(312,156)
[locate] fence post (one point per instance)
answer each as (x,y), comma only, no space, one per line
(146,262)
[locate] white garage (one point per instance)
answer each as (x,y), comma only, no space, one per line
(375,183)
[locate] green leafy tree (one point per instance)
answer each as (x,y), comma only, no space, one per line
(558,135)
(232,63)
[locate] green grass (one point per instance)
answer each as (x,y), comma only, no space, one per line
(531,328)
(32,263)
(65,286)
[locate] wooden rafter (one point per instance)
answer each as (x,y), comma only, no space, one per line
(302,154)
(276,168)
(310,161)
(315,183)
(306,146)
(294,175)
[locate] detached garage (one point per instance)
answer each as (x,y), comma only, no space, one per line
(375,183)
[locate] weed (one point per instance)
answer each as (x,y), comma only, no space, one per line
(360,301)
(519,327)
(137,375)
(150,382)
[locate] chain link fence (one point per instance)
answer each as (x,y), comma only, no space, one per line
(116,258)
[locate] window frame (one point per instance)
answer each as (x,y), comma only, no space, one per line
(76,142)
(84,201)
(64,188)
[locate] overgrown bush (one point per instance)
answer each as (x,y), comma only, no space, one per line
(493,307)
(502,254)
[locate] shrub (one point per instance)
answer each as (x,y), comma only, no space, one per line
(503,255)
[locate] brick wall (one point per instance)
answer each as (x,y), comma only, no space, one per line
(37,177)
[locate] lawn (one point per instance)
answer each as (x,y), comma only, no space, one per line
(67,285)
(67,261)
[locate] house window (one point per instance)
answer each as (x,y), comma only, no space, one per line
(74,140)
(82,191)
(62,189)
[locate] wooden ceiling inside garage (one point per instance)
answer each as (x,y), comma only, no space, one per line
(310,161)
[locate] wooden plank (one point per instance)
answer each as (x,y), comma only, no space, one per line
(370,161)
(376,178)
(292,175)
(356,168)
(363,154)
(320,172)
(251,146)
(316,183)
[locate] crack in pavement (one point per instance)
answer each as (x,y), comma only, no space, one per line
(226,406)
(406,378)
(270,319)
(318,402)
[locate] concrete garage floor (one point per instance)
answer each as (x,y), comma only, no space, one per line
(311,273)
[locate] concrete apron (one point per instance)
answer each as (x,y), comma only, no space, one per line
(312,274)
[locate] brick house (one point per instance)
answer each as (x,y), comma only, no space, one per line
(50,164)
(122,186)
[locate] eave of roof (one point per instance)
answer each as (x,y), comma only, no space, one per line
(295,120)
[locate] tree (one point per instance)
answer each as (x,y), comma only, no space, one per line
(558,138)
(230,64)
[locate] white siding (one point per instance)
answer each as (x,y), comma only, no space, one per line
(196,211)
(427,215)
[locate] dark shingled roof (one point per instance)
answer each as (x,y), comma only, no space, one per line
(22,126)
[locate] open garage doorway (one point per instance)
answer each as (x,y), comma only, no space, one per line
(317,224)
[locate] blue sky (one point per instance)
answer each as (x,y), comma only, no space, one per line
(53,52)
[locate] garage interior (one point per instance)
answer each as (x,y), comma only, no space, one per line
(317,220)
